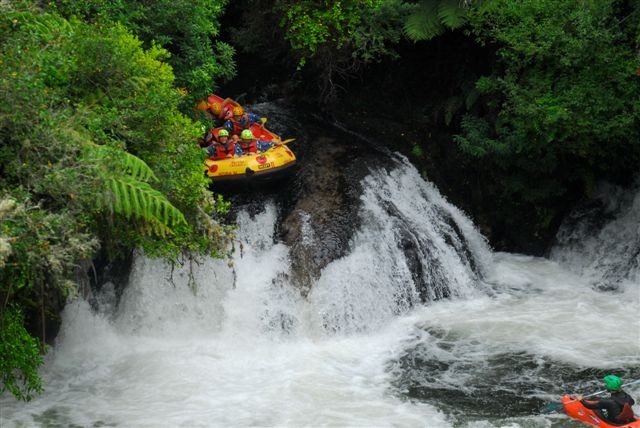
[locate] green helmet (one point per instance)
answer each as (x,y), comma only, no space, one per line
(246,134)
(612,382)
(223,133)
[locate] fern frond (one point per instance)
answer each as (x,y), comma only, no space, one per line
(154,227)
(125,161)
(126,201)
(451,13)
(138,168)
(451,106)
(432,17)
(472,97)
(132,198)
(424,23)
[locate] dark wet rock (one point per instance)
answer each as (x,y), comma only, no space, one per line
(319,223)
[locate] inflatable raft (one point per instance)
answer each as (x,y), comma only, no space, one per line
(576,410)
(273,164)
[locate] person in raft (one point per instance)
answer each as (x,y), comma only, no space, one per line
(221,113)
(218,112)
(250,145)
(224,147)
(617,407)
(241,120)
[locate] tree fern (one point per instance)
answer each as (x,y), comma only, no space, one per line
(136,199)
(133,165)
(424,23)
(432,17)
(452,13)
(128,192)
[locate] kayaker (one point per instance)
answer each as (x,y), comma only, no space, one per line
(617,407)
(249,144)
(224,147)
(241,120)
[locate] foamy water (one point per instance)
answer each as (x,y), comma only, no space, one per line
(249,351)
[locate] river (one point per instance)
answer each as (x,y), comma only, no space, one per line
(496,336)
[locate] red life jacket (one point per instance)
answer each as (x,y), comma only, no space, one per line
(626,414)
(223,152)
(238,125)
(252,147)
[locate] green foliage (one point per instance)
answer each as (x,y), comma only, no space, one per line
(339,37)
(329,40)
(363,28)
(417,151)
(93,153)
(222,207)
(431,18)
(20,357)
(186,29)
(133,198)
(128,192)
(561,106)
(38,246)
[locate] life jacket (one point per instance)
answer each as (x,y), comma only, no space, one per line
(238,125)
(251,148)
(223,152)
(626,413)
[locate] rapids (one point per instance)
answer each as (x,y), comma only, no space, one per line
(418,324)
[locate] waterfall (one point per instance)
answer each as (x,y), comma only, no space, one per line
(606,251)
(412,246)
(418,324)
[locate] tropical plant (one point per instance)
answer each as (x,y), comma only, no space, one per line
(20,357)
(188,30)
(431,18)
(330,40)
(560,109)
(94,154)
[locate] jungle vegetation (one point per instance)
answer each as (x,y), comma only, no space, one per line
(536,99)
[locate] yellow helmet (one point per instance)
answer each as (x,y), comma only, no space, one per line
(246,134)
(238,111)
(216,108)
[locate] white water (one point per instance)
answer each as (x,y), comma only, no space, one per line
(609,253)
(259,355)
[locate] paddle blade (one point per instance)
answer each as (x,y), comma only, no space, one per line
(288,140)
(552,408)
(263,120)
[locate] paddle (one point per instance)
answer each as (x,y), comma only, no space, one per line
(555,407)
(281,143)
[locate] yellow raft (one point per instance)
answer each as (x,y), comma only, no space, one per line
(271,164)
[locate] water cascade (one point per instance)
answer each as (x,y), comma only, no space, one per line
(418,324)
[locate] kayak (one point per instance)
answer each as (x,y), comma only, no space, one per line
(273,164)
(576,410)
